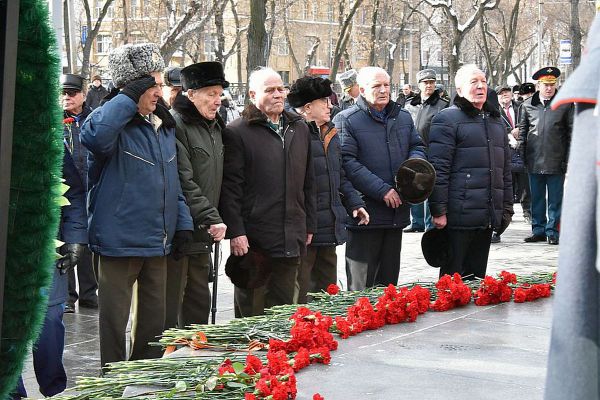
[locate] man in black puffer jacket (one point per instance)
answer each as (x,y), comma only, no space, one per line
(469,150)
(309,96)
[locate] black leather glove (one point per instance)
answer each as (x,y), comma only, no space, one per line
(137,87)
(506,220)
(181,244)
(71,255)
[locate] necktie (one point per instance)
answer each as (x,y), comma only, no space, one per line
(510,120)
(546,102)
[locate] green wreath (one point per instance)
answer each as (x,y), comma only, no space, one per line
(35,189)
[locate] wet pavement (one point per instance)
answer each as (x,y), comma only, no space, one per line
(451,355)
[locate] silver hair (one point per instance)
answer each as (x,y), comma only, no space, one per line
(464,73)
(257,78)
(366,75)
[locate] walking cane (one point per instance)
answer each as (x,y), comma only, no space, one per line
(215,277)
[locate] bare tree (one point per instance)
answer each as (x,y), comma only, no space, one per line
(575,30)
(257,36)
(91,33)
(344,35)
(459,30)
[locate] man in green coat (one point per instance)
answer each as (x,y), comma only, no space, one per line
(200,163)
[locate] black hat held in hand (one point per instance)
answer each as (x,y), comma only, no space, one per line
(249,271)
(436,247)
(415,180)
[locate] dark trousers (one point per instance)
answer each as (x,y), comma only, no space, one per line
(521,191)
(540,185)
(318,269)
(116,276)
(373,257)
(469,251)
(86,278)
(188,295)
(280,289)
(420,216)
(47,356)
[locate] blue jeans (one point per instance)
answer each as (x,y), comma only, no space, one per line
(420,216)
(553,185)
(47,356)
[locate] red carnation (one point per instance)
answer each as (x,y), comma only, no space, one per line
(317,396)
(68,120)
(333,289)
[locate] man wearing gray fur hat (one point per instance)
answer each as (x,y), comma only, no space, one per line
(348,83)
(136,210)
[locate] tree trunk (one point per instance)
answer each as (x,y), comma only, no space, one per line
(343,38)
(125,23)
(373,41)
(575,30)
(257,37)
(66,22)
(91,33)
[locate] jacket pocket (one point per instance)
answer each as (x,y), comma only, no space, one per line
(137,157)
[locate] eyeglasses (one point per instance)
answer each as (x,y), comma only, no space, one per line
(70,93)
(327,101)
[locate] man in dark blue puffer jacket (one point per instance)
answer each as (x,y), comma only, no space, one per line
(377,136)
(468,148)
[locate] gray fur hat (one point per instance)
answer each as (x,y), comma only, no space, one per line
(133,61)
(347,79)
(426,75)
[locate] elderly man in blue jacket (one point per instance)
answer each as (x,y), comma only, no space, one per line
(377,136)
(137,213)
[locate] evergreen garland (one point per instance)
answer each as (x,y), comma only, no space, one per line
(35,189)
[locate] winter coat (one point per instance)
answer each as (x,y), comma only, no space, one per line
(95,95)
(268,189)
(135,203)
(517,164)
(423,112)
(72,139)
(469,151)
(347,101)
(200,163)
(372,151)
(334,190)
(72,228)
(545,136)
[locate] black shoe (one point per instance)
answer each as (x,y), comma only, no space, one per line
(496,238)
(69,308)
(552,240)
(410,229)
(535,238)
(527,218)
(88,304)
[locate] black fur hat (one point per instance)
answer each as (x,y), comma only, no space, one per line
(307,89)
(209,73)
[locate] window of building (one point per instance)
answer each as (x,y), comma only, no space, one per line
(103,44)
(304,11)
(403,51)
(210,45)
(100,6)
(285,76)
(283,48)
(330,12)
(315,11)
(134,10)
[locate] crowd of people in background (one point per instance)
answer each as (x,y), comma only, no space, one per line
(172,167)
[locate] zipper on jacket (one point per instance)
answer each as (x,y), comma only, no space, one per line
(164,176)
(138,157)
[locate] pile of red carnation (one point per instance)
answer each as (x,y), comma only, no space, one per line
(451,292)
(494,291)
(393,307)
(532,292)
(310,342)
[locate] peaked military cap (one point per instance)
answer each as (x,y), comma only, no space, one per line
(547,75)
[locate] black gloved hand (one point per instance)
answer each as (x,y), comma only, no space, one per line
(137,87)
(181,244)
(71,255)
(506,220)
